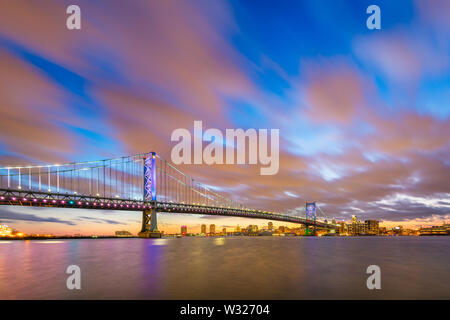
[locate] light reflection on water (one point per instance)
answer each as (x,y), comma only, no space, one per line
(219,241)
(160,242)
(47,241)
(228,268)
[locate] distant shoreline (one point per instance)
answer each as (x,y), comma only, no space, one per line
(170,236)
(65,238)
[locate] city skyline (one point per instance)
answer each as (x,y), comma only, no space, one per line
(202,228)
(364,115)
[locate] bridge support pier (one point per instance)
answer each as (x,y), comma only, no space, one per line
(149,224)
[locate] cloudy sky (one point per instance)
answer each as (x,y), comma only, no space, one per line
(364,115)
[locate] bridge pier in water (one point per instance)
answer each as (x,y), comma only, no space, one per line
(149,224)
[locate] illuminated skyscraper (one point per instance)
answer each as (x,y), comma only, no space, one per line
(183,229)
(270,225)
(203,228)
(356,227)
(224,231)
(212,229)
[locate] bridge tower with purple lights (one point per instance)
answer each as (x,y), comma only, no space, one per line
(149,216)
(311,215)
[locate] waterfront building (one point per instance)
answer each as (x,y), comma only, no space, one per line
(123,233)
(372,227)
(443,230)
(252,230)
(212,229)
(356,227)
(5,231)
(398,230)
(270,225)
(342,227)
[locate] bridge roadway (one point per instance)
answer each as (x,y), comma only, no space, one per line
(59,200)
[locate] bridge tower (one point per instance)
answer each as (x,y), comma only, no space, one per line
(149,216)
(311,214)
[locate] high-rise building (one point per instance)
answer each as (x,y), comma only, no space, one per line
(238,229)
(342,227)
(270,225)
(212,229)
(183,229)
(356,227)
(203,229)
(372,227)
(224,231)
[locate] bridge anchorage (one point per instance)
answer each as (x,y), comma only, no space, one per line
(142,182)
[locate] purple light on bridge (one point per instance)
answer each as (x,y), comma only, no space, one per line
(34,200)
(2,198)
(24,199)
(63,202)
(87,203)
(13,199)
(95,203)
(53,201)
(79,203)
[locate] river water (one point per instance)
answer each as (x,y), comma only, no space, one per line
(227,268)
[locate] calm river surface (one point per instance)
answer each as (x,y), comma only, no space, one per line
(227,268)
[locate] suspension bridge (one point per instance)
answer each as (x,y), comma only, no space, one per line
(143,182)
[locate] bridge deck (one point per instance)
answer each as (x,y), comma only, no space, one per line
(46,199)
